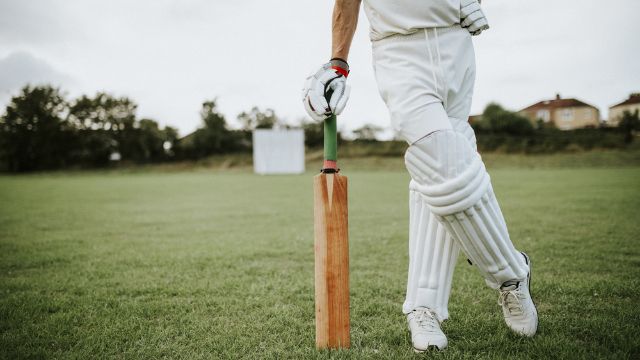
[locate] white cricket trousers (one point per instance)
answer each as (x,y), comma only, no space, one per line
(418,72)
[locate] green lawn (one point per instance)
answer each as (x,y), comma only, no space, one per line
(204,264)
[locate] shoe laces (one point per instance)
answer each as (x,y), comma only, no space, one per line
(426,319)
(510,299)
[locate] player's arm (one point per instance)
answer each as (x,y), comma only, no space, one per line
(345,21)
(472,17)
(326,92)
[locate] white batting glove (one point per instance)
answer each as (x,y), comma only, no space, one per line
(326,91)
(472,18)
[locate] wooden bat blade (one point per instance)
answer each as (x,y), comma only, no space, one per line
(331,261)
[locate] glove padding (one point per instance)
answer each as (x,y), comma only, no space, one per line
(325,92)
(472,18)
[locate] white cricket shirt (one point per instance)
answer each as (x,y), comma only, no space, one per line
(389,17)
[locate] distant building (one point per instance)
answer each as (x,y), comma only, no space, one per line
(278,151)
(564,114)
(615,112)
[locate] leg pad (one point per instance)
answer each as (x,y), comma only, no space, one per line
(453,181)
(432,259)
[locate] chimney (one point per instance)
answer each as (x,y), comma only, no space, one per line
(557,96)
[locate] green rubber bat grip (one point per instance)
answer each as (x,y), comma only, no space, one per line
(330,139)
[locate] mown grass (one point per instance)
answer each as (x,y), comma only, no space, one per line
(192,265)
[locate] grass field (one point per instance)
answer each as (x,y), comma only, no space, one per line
(198,265)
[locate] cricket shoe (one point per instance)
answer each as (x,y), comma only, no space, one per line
(425,330)
(517,306)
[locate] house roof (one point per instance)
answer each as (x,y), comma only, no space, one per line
(633,99)
(557,103)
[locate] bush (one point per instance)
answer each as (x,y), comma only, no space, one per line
(497,120)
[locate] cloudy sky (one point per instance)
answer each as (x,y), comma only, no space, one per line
(170,55)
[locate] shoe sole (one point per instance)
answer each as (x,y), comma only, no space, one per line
(429,348)
(528,260)
(531,295)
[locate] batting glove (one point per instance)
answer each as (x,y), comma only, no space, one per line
(326,91)
(472,18)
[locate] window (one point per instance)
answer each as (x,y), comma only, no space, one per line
(544,115)
(567,115)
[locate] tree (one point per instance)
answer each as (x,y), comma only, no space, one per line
(210,139)
(213,138)
(34,134)
(107,124)
(313,133)
(153,143)
(498,120)
(629,124)
(257,119)
(367,132)
(170,141)
(103,112)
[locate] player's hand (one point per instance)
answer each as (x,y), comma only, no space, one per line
(472,18)
(325,92)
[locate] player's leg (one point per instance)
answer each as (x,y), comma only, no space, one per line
(459,76)
(432,260)
(459,70)
(450,175)
(432,254)
(408,87)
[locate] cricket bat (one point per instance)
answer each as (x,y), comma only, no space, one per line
(331,247)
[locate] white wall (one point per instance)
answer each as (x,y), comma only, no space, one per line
(278,151)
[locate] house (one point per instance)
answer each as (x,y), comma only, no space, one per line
(564,114)
(632,104)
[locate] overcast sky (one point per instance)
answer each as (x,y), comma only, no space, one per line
(171,55)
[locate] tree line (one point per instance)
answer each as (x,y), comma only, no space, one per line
(41,129)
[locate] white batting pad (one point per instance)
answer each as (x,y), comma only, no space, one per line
(452,178)
(432,259)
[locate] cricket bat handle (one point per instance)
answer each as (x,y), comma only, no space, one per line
(330,165)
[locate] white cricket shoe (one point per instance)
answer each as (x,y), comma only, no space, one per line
(517,306)
(425,330)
